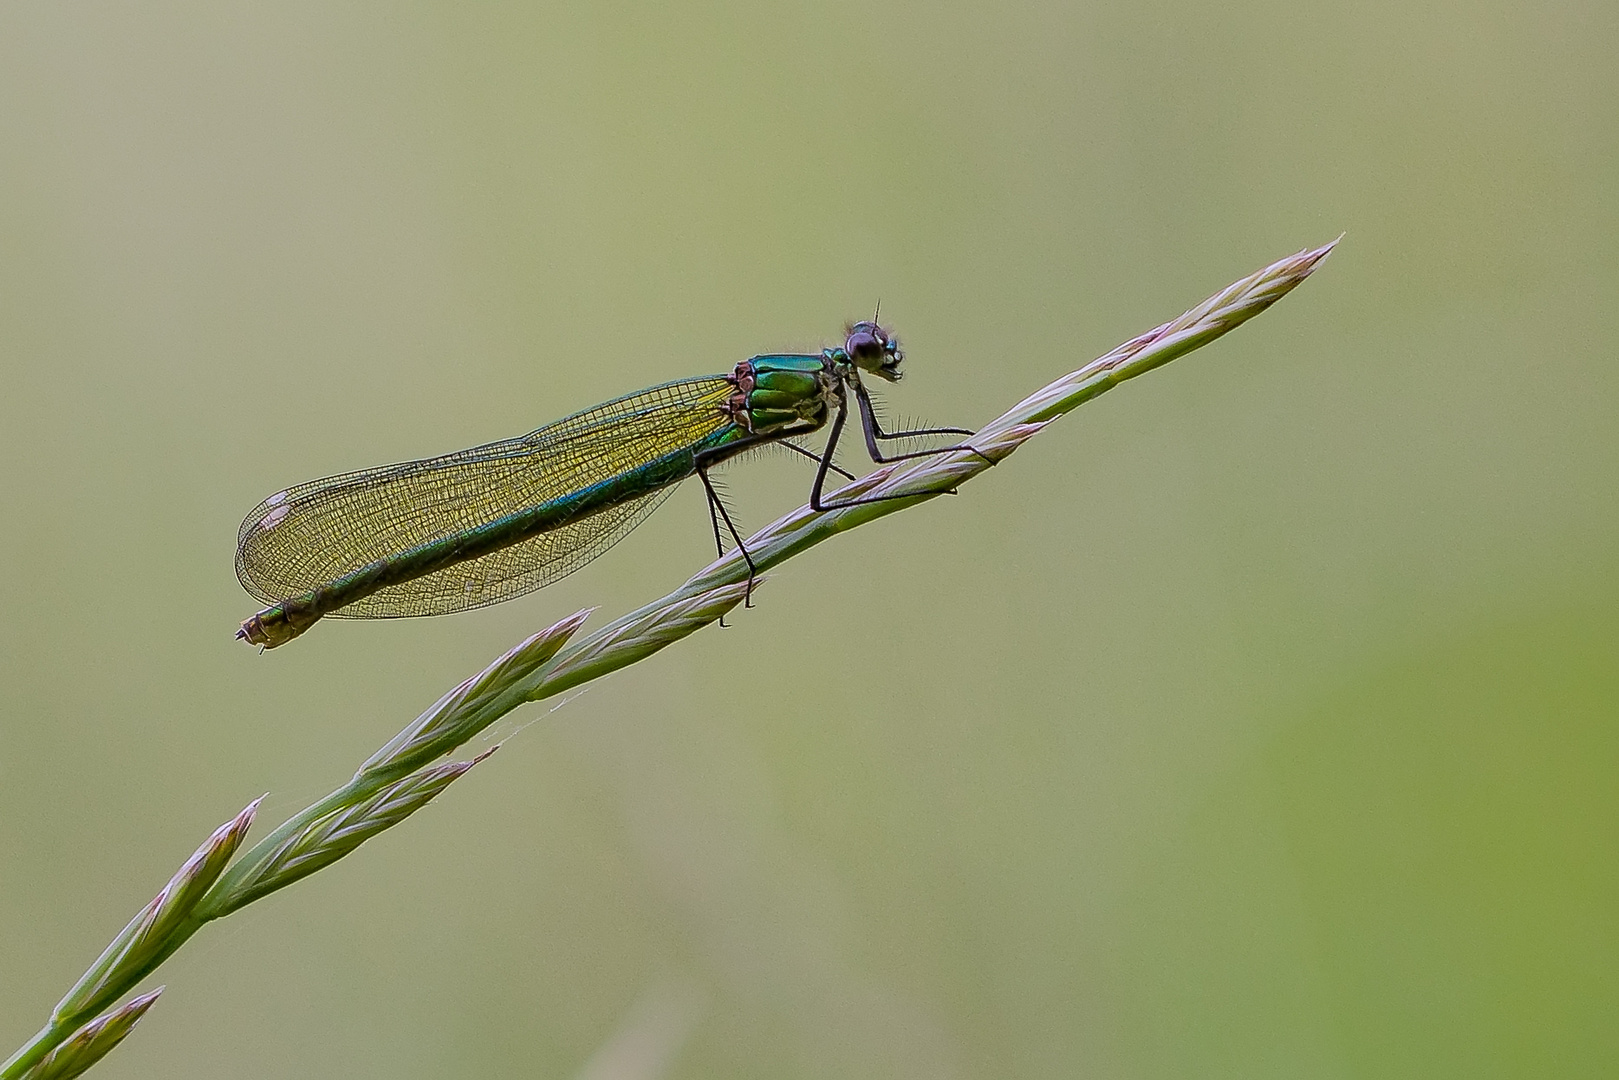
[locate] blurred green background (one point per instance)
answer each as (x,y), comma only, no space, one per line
(1257,720)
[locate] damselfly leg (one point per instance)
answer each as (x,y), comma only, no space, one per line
(873,432)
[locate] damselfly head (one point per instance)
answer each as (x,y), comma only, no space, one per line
(870,348)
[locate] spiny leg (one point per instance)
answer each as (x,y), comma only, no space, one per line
(706,459)
(813,456)
(826,463)
(873,431)
(714,504)
(713,518)
(868,423)
(877,427)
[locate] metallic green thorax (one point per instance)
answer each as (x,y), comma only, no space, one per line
(774,392)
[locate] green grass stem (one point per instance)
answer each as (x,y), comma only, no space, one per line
(402,777)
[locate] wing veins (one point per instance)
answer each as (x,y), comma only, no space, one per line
(314,532)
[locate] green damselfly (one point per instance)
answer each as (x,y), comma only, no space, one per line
(490,523)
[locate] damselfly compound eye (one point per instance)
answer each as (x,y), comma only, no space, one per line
(866,341)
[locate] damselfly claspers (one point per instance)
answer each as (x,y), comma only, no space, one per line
(484,525)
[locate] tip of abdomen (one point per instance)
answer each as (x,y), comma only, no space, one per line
(276,625)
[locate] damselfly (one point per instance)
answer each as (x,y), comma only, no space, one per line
(484,525)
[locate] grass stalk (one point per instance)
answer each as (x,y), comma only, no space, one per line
(406,774)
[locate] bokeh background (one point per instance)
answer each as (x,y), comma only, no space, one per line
(1260,719)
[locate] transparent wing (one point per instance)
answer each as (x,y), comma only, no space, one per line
(314,533)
